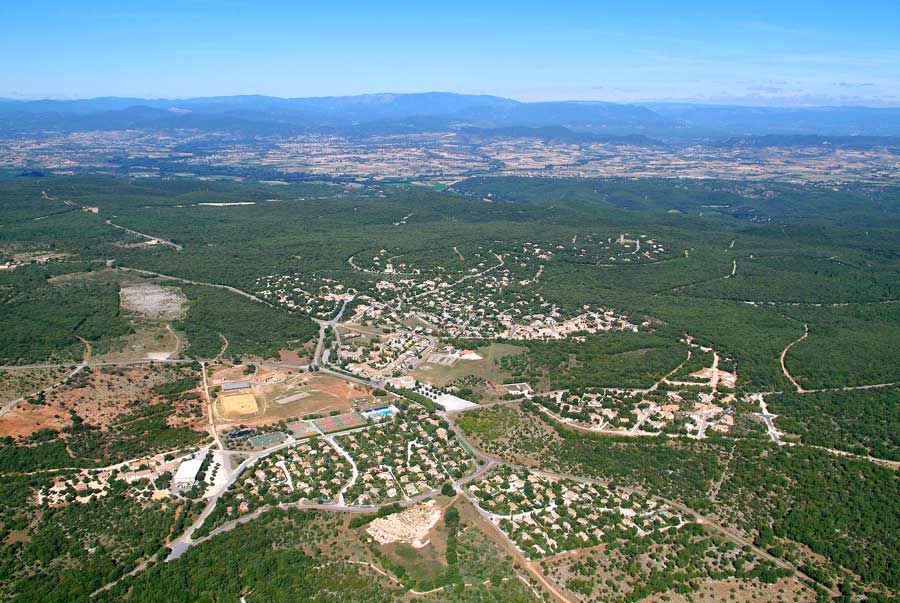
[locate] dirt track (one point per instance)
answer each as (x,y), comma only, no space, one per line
(784,369)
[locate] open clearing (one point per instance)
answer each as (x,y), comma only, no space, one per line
(154,301)
(441,374)
(288,393)
(315,394)
(150,341)
(26,419)
(238,405)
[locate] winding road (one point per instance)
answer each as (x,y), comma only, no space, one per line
(784,369)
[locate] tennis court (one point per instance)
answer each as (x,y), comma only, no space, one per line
(301,429)
(267,439)
(340,422)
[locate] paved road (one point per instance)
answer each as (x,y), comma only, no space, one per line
(464,278)
(354,469)
(769,418)
(159,240)
(729,533)
(344,376)
(240,292)
(14,367)
(186,540)
(230,525)
(324,325)
(78,368)
(511,547)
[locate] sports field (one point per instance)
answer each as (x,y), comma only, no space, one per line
(267,439)
(312,394)
(340,422)
(238,404)
(301,429)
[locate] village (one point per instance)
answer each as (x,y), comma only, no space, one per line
(486,302)
(545,515)
(292,435)
(363,420)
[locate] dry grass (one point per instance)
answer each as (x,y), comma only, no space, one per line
(441,374)
(15,383)
(26,419)
(238,405)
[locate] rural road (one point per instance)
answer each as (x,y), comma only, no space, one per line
(159,240)
(324,325)
(728,533)
(78,368)
(784,369)
(201,283)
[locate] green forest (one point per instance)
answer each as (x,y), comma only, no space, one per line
(795,287)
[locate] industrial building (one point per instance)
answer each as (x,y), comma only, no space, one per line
(238,385)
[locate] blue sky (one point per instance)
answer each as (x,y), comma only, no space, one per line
(786,52)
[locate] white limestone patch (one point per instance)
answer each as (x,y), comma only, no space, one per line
(154,301)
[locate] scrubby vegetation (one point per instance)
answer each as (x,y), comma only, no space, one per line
(742,268)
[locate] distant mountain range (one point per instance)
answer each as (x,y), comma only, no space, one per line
(482,115)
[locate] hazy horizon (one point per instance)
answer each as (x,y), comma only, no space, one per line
(772,103)
(834,53)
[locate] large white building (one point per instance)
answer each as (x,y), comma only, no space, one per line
(186,475)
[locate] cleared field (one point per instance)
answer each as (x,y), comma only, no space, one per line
(26,419)
(150,340)
(301,356)
(313,394)
(441,374)
(154,301)
(237,405)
